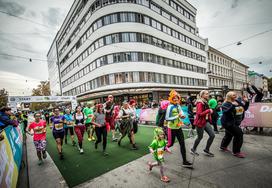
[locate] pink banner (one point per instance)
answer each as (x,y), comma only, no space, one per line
(258,115)
(148,114)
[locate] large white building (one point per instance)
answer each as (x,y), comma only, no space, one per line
(131,48)
(53,70)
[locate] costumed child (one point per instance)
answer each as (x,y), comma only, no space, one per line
(157,148)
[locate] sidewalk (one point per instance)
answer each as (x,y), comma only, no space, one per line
(223,170)
(43,176)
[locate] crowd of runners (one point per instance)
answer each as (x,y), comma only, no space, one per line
(97,120)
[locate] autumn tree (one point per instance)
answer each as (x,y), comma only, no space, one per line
(43,89)
(3,97)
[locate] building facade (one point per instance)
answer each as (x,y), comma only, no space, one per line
(131,48)
(239,75)
(219,71)
(53,70)
(265,87)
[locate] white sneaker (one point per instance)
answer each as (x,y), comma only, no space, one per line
(81,151)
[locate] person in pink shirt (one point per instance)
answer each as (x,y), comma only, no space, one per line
(38,130)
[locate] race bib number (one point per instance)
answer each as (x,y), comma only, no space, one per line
(239,110)
(38,130)
(59,126)
(71,124)
(160,153)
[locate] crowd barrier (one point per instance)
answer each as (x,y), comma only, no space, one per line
(10,156)
(258,115)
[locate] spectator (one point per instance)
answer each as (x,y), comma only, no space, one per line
(256,96)
(213,105)
(5,120)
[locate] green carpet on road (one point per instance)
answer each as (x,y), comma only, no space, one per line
(76,168)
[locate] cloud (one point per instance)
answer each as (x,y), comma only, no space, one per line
(217,13)
(52,16)
(234,3)
(12,7)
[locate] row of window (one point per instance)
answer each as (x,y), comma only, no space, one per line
(134,37)
(128,57)
(148,3)
(219,59)
(180,9)
(135,77)
(214,82)
(219,70)
(129,17)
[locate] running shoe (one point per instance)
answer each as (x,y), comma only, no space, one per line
(208,153)
(216,132)
(187,164)
(44,155)
(239,155)
(114,139)
(224,149)
(149,166)
(193,152)
(105,153)
(165,179)
(40,162)
(93,138)
(89,139)
(81,151)
(134,147)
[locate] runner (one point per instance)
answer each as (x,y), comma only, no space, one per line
(58,130)
(160,117)
(108,110)
(233,115)
(126,126)
(88,112)
(39,138)
(157,148)
(79,127)
(69,126)
(132,104)
(174,114)
(100,127)
(202,123)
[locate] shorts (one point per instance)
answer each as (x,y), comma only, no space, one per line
(110,120)
(58,134)
(40,145)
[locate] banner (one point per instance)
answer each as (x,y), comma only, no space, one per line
(29,99)
(10,156)
(258,115)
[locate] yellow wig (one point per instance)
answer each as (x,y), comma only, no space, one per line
(173,94)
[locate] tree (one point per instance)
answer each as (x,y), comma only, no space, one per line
(3,97)
(43,89)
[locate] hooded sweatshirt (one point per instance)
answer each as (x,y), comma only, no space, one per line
(203,113)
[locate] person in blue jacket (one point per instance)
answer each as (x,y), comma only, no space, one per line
(5,113)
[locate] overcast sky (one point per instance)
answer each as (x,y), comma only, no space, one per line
(223,22)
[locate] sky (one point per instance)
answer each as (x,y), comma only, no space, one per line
(223,22)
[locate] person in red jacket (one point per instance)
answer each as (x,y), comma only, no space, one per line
(202,123)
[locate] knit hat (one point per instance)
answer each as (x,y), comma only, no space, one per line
(173,94)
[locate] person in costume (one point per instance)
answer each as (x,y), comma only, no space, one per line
(88,112)
(58,130)
(100,127)
(39,138)
(174,116)
(157,148)
(132,106)
(160,118)
(126,126)
(69,126)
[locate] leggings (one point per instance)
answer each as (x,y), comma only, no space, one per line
(80,133)
(70,129)
(172,134)
(101,131)
(200,132)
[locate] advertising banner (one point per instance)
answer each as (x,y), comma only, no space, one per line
(258,115)
(29,99)
(10,156)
